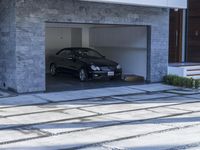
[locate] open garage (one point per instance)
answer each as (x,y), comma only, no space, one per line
(115,30)
(124,44)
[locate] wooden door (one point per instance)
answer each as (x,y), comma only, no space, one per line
(175,36)
(193,50)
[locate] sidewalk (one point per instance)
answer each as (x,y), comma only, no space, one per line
(28,99)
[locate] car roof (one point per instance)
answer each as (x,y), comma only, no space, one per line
(73,48)
(76,48)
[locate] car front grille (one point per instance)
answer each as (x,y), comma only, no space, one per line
(107,68)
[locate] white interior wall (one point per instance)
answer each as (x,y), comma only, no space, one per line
(85,36)
(76,37)
(125,45)
(56,39)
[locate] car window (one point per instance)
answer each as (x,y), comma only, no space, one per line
(87,53)
(66,53)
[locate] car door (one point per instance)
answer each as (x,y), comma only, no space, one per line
(77,64)
(70,61)
(65,60)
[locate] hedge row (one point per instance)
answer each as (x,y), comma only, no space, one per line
(182,81)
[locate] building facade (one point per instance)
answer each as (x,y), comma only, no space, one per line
(22,34)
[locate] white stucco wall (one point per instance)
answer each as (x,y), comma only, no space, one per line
(155,3)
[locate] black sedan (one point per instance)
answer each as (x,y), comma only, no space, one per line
(85,63)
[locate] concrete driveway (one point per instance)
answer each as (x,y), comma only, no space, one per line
(149,118)
(63,82)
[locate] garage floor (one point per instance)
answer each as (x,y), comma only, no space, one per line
(63,82)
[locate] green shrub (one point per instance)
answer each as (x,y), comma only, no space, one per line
(197,84)
(189,83)
(182,81)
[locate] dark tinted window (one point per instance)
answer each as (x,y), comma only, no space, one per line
(66,53)
(87,53)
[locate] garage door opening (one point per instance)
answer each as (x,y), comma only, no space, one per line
(127,45)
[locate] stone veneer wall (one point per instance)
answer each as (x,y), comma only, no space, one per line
(7,44)
(31,16)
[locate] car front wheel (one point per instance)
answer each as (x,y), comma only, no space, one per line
(83,76)
(53,69)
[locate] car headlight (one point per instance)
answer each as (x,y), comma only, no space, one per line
(95,68)
(119,67)
(98,69)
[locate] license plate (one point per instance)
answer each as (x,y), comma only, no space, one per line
(110,74)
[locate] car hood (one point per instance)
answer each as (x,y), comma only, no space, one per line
(98,61)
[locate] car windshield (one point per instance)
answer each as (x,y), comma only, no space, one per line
(88,53)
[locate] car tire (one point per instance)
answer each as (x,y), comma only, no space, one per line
(83,76)
(53,70)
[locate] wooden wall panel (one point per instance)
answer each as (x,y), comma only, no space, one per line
(175,36)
